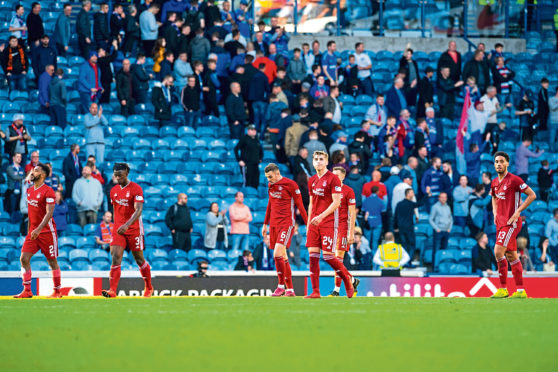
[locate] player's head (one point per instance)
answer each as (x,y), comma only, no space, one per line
(272,173)
(320,160)
(39,173)
(501,162)
(121,171)
(340,172)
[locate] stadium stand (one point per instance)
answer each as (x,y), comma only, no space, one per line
(168,157)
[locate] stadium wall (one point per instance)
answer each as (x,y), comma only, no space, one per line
(398,44)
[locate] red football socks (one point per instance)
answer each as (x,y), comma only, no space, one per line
(280,267)
(339,268)
(338,279)
(315,271)
(288,275)
(26,275)
(503,270)
(145,271)
(517,271)
(56,279)
(114,277)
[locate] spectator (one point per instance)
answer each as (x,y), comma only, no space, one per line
(545,180)
(35,28)
(403,221)
(182,70)
(373,207)
(472,158)
(431,182)
(447,88)
(60,214)
(104,231)
(200,47)
(263,255)
(319,89)
(190,99)
(58,99)
(117,23)
(15,175)
(376,115)
(236,111)
(553,110)
(542,107)
(83,28)
(525,110)
(410,67)
(124,90)
(545,258)
(478,68)
(296,70)
(360,147)
(367,188)
(492,105)
(425,92)
(149,27)
(104,62)
(411,166)
(441,221)
(43,55)
(179,222)
(461,195)
(132,31)
(364,68)
(249,154)
(161,98)
(522,155)
(166,65)
(95,138)
(33,163)
(17,27)
(174,6)
(452,60)
(52,180)
(395,98)
(258,89)
(483,257)
(210,86)
(44,85)
(140,80)
(293,136)
(87,193)
(359,256)
(477,209)
(15,64)
(158,56)
(503,79)
(89,83)
(391,255)
(240,217)
(245,262)
(71,169)
(522,249)
(17,138)
(551,232)
(314,144)
(478,119)
(216,223)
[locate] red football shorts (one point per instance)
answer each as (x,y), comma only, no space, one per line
(280,235)
(343,240)
(325,238)
(47,243)
(506,237)
(132,240)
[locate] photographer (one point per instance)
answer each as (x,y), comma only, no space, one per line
(202,270)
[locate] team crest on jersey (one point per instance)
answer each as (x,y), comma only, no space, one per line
(280,188)
(505,188)
(324,183)
(128,194)
(38,195)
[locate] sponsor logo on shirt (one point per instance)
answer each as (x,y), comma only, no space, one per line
(319,192)
(32,202)
(297,191)
(276,195)
(501,195)
(122,202)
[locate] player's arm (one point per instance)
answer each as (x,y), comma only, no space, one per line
(352,221)
(299,204)
(309,210)
(49,212)
(531,196)
(138,206)
(267,218)
(332,207)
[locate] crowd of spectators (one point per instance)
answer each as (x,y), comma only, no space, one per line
(401,163)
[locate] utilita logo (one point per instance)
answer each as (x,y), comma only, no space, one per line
(434,289)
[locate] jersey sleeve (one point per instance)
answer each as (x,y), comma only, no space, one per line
(521,184)
(50,197)
(351,200)
(310,191)
(268,211)
(336,187)
(138,194)
(296,195)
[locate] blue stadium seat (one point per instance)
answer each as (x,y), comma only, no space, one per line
(185,132)
(219,266)
(447,255)
(142,144)
(4,254)
(135,120)
(8,242)
(465,257)
(196,255)
(11,230)
(157,254)
(86,242)
(40,265)
(233,254)
(177,254)
(78,255)
(459,269)
(95,266)
(99,255)
(445,268)
(89,229)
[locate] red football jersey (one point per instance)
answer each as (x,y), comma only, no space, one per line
(321,190)
(283,195)
(37,200)
(123,199)
(508,197)
(347,199)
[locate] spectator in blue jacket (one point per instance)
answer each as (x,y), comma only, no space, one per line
(472,158)
(395,98)
(149,27)
(441,221)
(431,183)
(94,122)
(551,232)
(60,213)
(373,207)
(329,62)
(478,202)
(273,113)
(57,99)
(461,195)
(89,83)
(281,41)
(43,55)
(44,84)
(175,6)
(63,30)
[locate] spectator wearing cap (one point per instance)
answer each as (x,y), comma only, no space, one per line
(15,64)
(44,84)
(35,27)
(43,55)
(89,83)
(17,138)
(447,91)
(58,99)
(249,154)
(33,162)
(71,169)
(236,111)
(94,122)
(425,92)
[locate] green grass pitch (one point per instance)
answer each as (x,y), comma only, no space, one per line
(279,334)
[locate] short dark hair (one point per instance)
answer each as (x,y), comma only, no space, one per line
(479,187)
(498,45)
(408,191)
(502,153)
(375,189)
(358,44)
(44,167)
(544,80)
(479,236)
(555,211)
(121,167)
(330,43)
(296,50)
